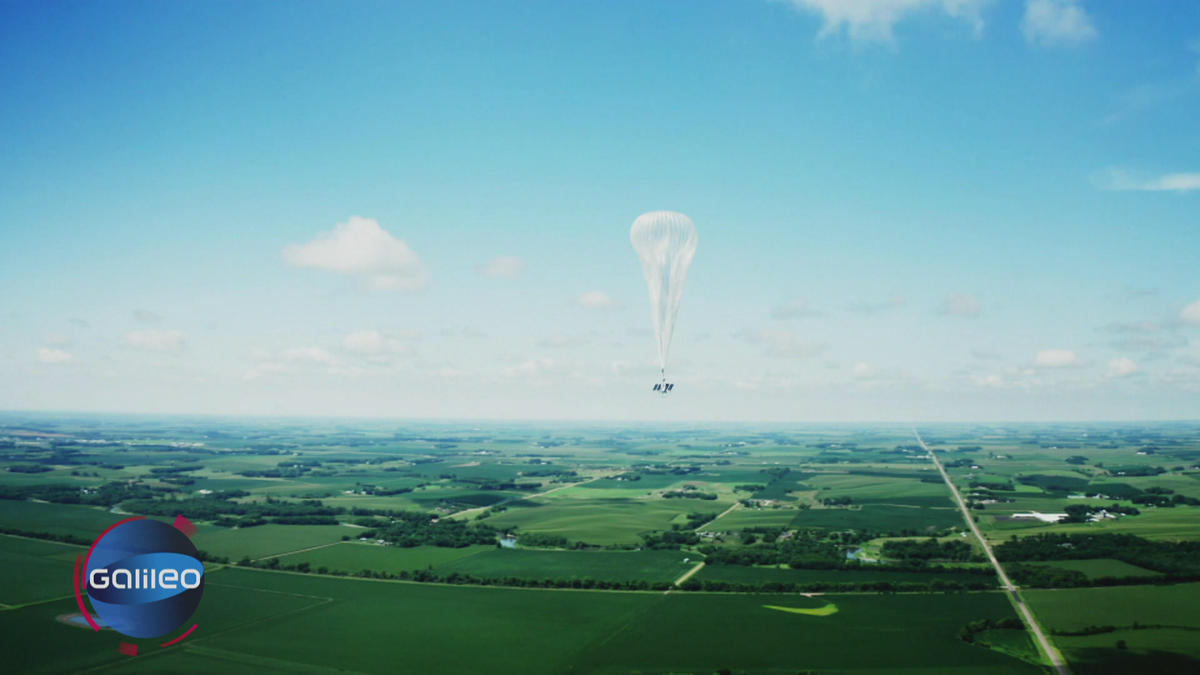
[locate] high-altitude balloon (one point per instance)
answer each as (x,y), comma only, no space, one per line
(665,241)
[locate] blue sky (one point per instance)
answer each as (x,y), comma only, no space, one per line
(908,210)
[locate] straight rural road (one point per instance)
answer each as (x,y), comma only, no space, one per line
(1056,659)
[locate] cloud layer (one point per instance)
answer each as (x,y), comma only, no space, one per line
(156,340)
(360,247)
(1121,180)
(873,20)
(503,267)
(597,300)
(1057,358)
(1056,22)
(960,304)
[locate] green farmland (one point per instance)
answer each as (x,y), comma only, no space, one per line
(598,582)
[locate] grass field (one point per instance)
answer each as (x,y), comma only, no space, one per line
(598,565)
(354,556)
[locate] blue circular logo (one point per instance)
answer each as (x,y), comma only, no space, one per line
(143,578)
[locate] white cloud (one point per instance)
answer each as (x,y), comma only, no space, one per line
(863,370)
(1057,358)
(503,267)
(54,356)
(597,300)
(785,343)
(1121,180)
(360,247)
(146,316)
(373,342)
(794,309)
(1056,22)
(960,304)
(57,340)
(1122,367)
(872,20)
(156,340)
(310,355)
(1191,314)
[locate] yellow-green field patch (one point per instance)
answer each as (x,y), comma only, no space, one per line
(811,611)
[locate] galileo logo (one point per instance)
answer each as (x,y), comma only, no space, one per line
(143,577)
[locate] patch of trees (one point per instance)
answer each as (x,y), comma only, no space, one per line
(1163,501)
(690,494)
(1137,470)
(551,473)
(969,631)
(213,507)
(159,470)
(837,501)
(285,472)
(107,495)
(929,549)
(1170,558)
(540,540)
(1079,513)
(969,448)
(749,487)
(995,487)
(959,463)
(671,539)
(933,586)
(1076,460)
(29,468)
(414,528)
(709,586)
(1086,630)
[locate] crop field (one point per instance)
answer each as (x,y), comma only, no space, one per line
(1166,642)
(252,621)
(1095,569)
(79,521)
(355,556)
(35,570)
(610,521)
(702,633)
(607,565)
(880,518)
(747,574)
(1072,609)
(741,518)
(267,540)
(432,590)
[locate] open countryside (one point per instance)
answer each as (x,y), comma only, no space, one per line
(621,550)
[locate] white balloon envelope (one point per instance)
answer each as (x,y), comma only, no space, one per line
(665,241)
